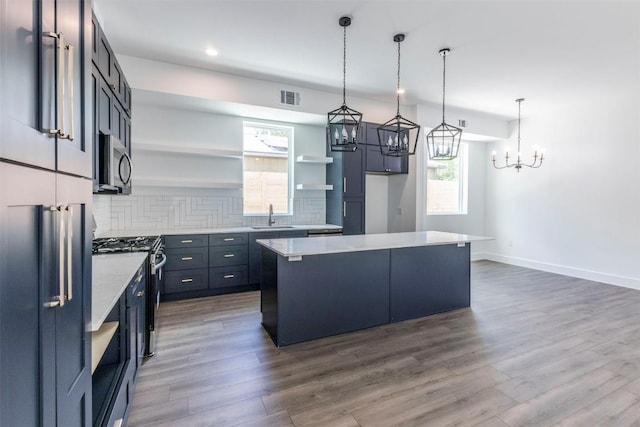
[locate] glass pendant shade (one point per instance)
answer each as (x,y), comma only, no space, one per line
(399,136)
(343,123)
(443,142)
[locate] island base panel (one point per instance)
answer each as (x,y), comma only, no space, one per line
(324,295)
(429,280)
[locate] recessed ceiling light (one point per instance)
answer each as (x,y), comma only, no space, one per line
(211,51)
(401,91)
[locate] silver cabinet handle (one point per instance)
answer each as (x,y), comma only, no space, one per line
(229,239)
(69,253)
(187,280)
(186,258)
(186,241)
(229,276)
(344,184)
(69,134)
(344,209)
(55,301)
(59,83)
(140,294)
(61,249)
(229,255)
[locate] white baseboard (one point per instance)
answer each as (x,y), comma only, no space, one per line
(627,282)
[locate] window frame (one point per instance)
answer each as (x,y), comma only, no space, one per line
(290,164)
(463,184)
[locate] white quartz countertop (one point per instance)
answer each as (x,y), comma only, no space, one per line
(364,242)
(244,229)
(110,277)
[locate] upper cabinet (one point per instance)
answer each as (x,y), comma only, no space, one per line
(43,119)
(111,104)
(375,161)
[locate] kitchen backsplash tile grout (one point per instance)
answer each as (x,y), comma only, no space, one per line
(157,212)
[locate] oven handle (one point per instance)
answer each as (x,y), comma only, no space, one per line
(159,265)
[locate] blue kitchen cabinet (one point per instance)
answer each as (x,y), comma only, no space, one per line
(45,211)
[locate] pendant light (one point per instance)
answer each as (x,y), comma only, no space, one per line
(538,156)
(343,123)
(394,137)
(443,141)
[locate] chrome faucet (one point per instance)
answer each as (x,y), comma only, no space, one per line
(271,220)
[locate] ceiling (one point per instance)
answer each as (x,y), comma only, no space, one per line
(550,52)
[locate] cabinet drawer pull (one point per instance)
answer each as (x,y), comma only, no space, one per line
(186,258)
(186,241)
(229,255)
(229,239)
(229,276)
(187,280)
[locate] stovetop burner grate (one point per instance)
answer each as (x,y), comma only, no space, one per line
(124,244)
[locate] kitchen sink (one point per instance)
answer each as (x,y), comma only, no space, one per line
(273,227)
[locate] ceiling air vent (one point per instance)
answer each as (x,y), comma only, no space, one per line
(288,97)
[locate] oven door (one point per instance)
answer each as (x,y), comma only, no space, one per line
(153,302)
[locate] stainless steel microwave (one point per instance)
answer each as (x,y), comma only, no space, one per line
(114,175)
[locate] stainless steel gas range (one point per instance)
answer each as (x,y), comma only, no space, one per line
(156,260)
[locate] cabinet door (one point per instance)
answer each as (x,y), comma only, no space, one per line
(27,79)
(73,19)
(27,278)
(255,254)
(104,105)
(72,349)
(353,173)
(354,219)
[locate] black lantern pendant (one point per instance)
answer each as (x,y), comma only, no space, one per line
(395,136)
(443,142)
(343,123)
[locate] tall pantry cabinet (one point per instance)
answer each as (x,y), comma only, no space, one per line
(45,213)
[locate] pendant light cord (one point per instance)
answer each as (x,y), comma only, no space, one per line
(344,66)
(444,78)
(398,87)
(519,106)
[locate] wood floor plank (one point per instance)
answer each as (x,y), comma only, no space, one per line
(619,408)
(534,348)
(556,404)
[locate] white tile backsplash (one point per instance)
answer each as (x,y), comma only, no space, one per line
(157,212)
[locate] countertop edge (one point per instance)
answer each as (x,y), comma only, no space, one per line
(460,238)
(221,230)
(97,322)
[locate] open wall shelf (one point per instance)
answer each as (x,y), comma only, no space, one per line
(314,159)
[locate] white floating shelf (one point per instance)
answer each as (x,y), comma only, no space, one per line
(100,340)
(314,187)
(314,159)
(182,183)
(186,150)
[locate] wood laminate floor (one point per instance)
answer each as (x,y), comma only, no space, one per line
(534,349)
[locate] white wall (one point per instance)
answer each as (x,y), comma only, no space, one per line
(579,214)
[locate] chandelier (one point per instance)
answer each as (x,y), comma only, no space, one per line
(538,157)
(394,136)
(443,142)
(343,123)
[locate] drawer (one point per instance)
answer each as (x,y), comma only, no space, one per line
(186,241)
(186,280)
(223,277)
(222,256)
(228,239)
(180,259)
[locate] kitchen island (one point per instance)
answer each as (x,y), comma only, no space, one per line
(318,287)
